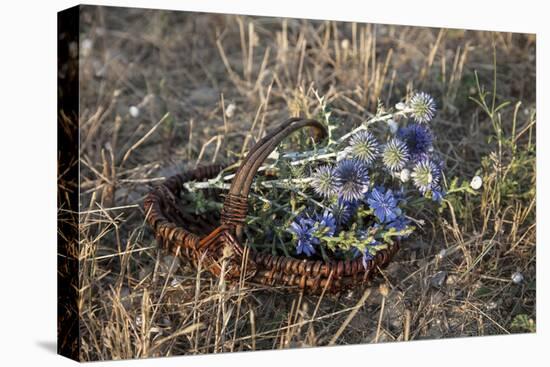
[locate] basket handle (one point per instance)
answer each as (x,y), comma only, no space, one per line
(235,206)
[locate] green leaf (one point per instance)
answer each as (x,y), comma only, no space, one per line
(522,323)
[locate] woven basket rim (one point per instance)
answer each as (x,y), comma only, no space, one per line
(179,229)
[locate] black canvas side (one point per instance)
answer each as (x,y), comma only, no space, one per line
(68,341)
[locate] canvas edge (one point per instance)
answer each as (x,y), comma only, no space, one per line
(68,317)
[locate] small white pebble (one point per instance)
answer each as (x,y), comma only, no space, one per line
(99,68)
(166,322)
(134,111)
(405,175)
(230,110)
(393,126)
(476,183)
(438,279)
(100,31)
(517,277)
(400,106)
(345,43)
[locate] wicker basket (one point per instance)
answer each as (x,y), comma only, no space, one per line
(214,241)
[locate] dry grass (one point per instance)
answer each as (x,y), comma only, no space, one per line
(184,71)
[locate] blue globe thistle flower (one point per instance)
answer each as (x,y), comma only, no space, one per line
(384,204)
(325,224)
(426,175)
(323,181)
(422,107)
(395,155)
(344,210)
(364,146)
(418,139)
(303,230)
(352,179)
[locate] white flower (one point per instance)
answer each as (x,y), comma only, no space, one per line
(476,183)
(405,175)
(134,111)
(517,277)
(393,126)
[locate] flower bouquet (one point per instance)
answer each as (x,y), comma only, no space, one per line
(317,211)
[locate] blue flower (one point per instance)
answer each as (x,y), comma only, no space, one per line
(399,223)
(325,224)
(308,232)
(399,195)
(352,179)
(343,210)
(437,193)
(384,204)
(418,138)
(363,146)
(303,229)
(422,107)
(368,253)
(396,154)
(323,181)
(367,256)
(426,175)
